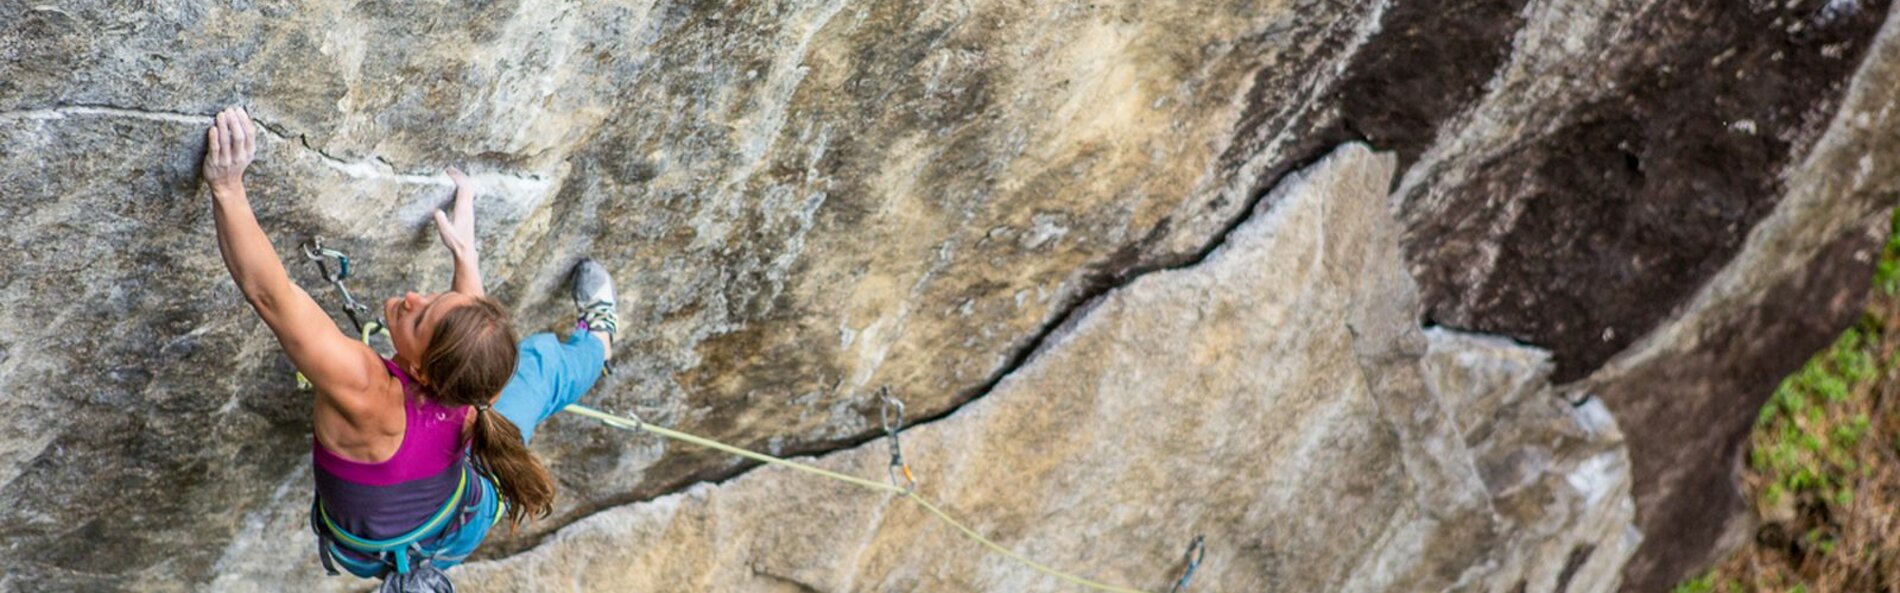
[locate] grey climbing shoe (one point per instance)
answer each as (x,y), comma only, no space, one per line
(594,296)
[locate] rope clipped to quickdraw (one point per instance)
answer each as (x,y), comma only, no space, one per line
(897,466)
(316,252)
(1195,552)
(891,413)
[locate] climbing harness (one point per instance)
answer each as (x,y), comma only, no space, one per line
(890,415)
(402,561)
(395,552)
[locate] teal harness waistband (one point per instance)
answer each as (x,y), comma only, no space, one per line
(397,552)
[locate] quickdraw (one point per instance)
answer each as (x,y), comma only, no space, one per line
(897,466)
(1195,553)
(316,252)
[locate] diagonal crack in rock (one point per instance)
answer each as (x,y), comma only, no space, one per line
(1096,288)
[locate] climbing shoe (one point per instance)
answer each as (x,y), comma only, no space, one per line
(594,296)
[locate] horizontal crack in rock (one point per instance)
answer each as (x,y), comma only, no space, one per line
(373,167)
(66,111)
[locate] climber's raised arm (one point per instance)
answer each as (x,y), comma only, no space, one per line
(458,234)
(333,362)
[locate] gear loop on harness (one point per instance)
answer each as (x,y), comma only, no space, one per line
(1195,553)
(885,415)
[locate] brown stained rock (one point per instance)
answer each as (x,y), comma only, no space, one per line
(1688,499)
(1429,61)
(1623,188)
(1795,285)
(1607,206)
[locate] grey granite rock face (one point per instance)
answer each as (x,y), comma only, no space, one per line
(806,200)
(1346,450)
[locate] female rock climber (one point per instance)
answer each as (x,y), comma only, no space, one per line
(417,456)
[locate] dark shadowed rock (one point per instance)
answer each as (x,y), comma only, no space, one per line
(1611,203)
(1798,281)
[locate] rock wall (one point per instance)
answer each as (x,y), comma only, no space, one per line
(808,199)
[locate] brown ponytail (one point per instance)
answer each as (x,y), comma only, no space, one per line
(469,359)
(518,475)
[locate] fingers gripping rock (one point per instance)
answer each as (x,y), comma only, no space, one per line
(230,146)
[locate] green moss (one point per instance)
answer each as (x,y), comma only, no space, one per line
(1887,272)
(1804,444)
(1702,584)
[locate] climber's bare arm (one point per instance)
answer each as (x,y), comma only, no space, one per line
(332,361)
(458,235)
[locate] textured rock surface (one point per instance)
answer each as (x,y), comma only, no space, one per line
(1638,143)
(808,199)
(811,199)
(1798,280)
(1681,201)
(1335,447)
(1558,475)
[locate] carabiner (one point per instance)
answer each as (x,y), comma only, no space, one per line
(316,252)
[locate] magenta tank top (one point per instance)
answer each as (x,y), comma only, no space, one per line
(387,499)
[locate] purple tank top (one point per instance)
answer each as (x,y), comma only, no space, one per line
(387,499)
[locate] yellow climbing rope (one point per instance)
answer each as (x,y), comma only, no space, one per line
(625,423)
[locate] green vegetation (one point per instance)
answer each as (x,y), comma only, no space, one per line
(1824,463)
(1807,436)
(1706,584)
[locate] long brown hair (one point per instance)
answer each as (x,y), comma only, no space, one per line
(468,361)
